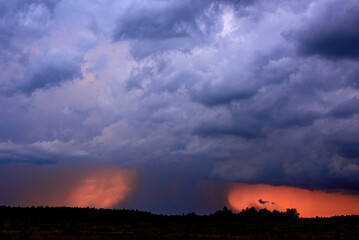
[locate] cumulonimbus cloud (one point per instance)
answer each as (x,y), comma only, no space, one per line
(247,91)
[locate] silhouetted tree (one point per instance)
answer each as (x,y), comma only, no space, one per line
(249,212)
(292,213)
(191,215)
(264,213)
(224,213)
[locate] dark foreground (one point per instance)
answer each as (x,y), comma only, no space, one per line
(87,223)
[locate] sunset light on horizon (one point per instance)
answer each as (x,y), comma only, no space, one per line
(309,203)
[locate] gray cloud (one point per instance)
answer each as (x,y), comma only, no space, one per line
(163,20)
(50,71)
(346,109)
(229,90)
(331,30)
(217,95)
(344,142)
(23,21)
(262,201)
(39,152)
(31,57)
(159,26)
(245,127)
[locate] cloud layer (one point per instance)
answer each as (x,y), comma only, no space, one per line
(246,91)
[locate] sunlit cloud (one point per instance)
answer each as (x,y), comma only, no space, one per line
(308,203)
(76,186)
(105,188)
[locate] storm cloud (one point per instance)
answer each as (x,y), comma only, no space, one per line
(330,30)
(244,91)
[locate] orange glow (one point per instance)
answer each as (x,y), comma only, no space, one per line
(308,203)
(71,186)
(105,188)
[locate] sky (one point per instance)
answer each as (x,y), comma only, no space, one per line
(180,106)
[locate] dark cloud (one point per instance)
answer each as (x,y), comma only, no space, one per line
(294,118)
(39,152)
(331,31)
(165,20)
(26,159)
(345,146)
(46,72)
(160,26)
(245,127)
(218,95)
(268,94)
(13,156)
(341,139)
(23,21)
(346,109)
(262,201)
(50,76)
(349,150)
(25,26)
(244,91)
(170,189)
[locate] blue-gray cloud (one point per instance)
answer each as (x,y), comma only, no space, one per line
(49,71)
(331,31)
(346,109)
(163,20)
(249,91)
(157,26)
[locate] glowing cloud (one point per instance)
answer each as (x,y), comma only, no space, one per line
(308,203)
(64,185)
(105,188)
